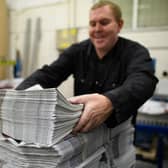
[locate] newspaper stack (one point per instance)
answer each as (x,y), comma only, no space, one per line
(41,117)
(34,133)
(68,153)
(81,151)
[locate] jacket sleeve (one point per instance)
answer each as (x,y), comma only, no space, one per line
(51,75)
(138,86)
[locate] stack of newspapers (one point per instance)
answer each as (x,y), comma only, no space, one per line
(70,152)
(99,148)
(41,116)
(35,128)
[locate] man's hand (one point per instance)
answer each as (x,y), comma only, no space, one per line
(97,108)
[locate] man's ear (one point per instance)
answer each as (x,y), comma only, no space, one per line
(120,24)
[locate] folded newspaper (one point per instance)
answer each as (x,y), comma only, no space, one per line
(79,151)
(72,150)
(37,116)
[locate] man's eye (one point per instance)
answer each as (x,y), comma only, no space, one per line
(104,22)
(92,24)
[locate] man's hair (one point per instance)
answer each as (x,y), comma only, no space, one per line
(116,10)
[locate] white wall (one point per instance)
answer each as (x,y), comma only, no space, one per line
(71,13)
(157,43)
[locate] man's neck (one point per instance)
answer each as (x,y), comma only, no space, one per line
(103,52)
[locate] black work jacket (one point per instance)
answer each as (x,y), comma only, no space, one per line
(124,75)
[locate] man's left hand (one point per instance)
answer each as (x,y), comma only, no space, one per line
(97,108)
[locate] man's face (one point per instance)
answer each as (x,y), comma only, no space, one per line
(103,28)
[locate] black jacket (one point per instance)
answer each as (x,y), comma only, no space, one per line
(125,75)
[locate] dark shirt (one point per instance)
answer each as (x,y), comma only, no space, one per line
(125,75)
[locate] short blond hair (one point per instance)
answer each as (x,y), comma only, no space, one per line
(114,8)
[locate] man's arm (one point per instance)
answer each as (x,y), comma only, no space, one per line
(51,75)
(138,86)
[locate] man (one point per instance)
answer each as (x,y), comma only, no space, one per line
(113,75)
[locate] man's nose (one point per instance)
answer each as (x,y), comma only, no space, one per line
(98,27)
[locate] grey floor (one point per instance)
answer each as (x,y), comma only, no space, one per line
(141,164)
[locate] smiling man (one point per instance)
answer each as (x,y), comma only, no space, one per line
(113,76)
(105,24)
